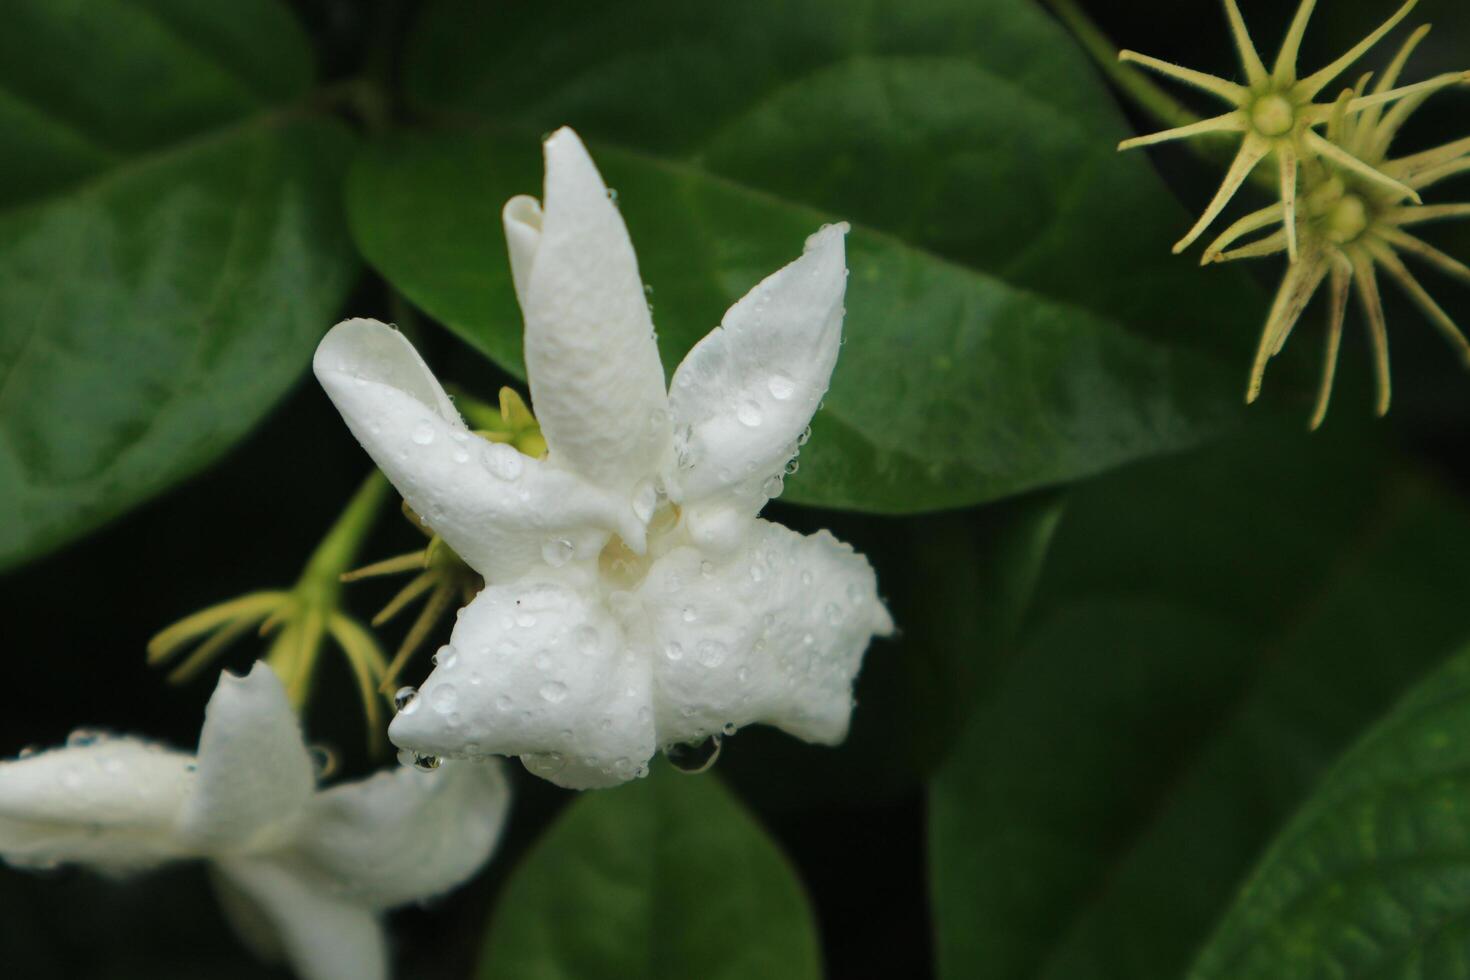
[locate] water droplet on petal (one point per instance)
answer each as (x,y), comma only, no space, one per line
(773,486)
(445,698)
(855,594)
(711,653)
(674,651)
(323,761)
(689,615)
(645,501)
(503,462)
(748,412)
(557,552)
(423,433)
(781,386)
(707,568)
(405,701)
(834,614)
(694,757)
(554,691)
(729,728)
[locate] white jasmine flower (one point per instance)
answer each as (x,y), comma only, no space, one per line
(633,599)
(301,873)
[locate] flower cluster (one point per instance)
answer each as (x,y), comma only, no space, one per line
(621,596)
(1344,203)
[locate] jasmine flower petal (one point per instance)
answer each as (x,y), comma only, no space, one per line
(773,634)
(596,381)
(323,935)
(496,507)
(110,803)
(255,775)
(405,836)
(744,394)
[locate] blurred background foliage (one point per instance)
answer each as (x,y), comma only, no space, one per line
(1138,622)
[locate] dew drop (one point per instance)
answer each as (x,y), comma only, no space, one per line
(447,657)
(805,437)
(645,500)
(729,728)
(806,577)
(694,757)
(781,386)
(855,594)
(423,433)
(773,486)
(711,653)
(405,701)
(423,763)
(503,462)
(503,702)
(557,552)
(707,568)
(689,615)
(674,651)
(445,698)
(757,574)
(748,412)
(834,614)
(525,620)
(323,761)
(792,467)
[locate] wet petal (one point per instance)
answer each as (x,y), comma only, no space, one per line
(745,393)
(110,803)
(596,381)
(496,507)
(324,936)
(255,775)
(775,634)
(403,835)
(537,670)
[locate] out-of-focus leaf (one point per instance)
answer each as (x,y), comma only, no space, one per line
(171,246)
(1210,632)
(1369,878)
(663,879)
(1014,317)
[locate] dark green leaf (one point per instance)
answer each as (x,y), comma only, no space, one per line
(1210,632)
(663,879)
(171,246)
(1369,878)
(1015,318)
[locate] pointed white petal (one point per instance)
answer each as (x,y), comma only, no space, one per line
(774,634)
(596,382)
(540,671)
(324,936)
(255,775)
(110,804)
(496,507)
(522,219)
(744,394)
(405,836)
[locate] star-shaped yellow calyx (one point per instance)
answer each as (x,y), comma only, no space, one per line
(1277,115)
(1351,226)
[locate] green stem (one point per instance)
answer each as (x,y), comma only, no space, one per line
(1133,83)
(322,576)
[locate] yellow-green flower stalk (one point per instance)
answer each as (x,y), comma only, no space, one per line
(1276,114)
(299,618)
(1350,228)
(442,576)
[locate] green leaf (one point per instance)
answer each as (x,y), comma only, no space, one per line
(1369,878)
(171,247)
(1209,633)
(1014,318)
(662,879)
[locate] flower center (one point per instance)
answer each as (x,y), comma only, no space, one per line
(621,567)
(1273,115)
(1347,220)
